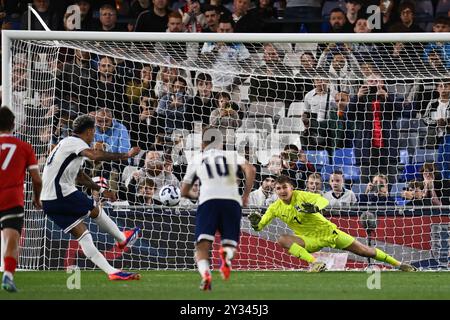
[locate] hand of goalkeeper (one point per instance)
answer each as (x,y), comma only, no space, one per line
(310,208)
(255,218)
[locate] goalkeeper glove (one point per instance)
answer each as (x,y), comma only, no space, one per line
(255,218)
(310,208)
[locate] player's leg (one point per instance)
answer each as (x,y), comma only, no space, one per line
(105,223)
(11,225)
(202,249)
(296,247)
(230,229)
(84,238)
(206,224)
(346,242)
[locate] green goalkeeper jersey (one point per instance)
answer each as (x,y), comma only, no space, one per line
(312,225)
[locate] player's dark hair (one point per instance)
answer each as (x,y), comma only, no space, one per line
(339,172)
(6,119)
(283,179)
(82,123)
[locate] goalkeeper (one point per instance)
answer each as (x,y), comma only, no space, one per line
(300,210)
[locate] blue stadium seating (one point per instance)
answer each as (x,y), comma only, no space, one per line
(425,155)
(404,156)
(345,160)
(345,156)
(319,158)
(411,172)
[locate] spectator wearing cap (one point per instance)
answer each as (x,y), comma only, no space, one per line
(407,12)
(265,194)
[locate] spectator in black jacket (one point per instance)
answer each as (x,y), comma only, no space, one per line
(51,19)
(155,19)
(201,106)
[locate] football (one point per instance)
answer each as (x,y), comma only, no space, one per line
(169,195)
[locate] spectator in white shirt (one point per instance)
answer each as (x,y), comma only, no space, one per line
(339,196)
(265,195)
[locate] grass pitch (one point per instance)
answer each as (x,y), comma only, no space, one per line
(183,285)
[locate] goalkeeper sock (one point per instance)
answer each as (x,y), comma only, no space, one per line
(10,266)
(301,253)
(203,266)
(92,253)
(106,224)
(383,256)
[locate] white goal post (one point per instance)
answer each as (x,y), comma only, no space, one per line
(270,114)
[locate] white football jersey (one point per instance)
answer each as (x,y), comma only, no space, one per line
(217,171)
(62,167)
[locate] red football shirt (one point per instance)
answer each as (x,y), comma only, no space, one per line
(16,157)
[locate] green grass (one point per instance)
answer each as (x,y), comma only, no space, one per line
(181,285)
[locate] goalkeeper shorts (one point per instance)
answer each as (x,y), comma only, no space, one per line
(339,240)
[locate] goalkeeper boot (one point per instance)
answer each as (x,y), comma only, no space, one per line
(318,267)
(407,267)
(130,238)
(122,275)
(8,284)
(225,264)
(205,285)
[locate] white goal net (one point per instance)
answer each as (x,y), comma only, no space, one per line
(364,123)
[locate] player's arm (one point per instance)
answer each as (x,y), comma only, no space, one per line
(313,203)
(259,222)
(37,186)
(100,155)
(250,173)
(84,180)
(188,180)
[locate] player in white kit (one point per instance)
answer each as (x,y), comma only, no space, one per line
(67,207)
(219,202)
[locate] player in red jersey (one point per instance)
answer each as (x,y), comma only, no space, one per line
(16,157)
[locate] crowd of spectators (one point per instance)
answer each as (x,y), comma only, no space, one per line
(348,99)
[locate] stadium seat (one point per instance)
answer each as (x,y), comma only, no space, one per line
(404,156)
(345,156)
(442,8)
(404,124)
(345,160)
(290,125)
(424,155)
(296,109)
(319,158)
(351,172)
(411,172)
(327,170)
(267,109)
(259,124)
